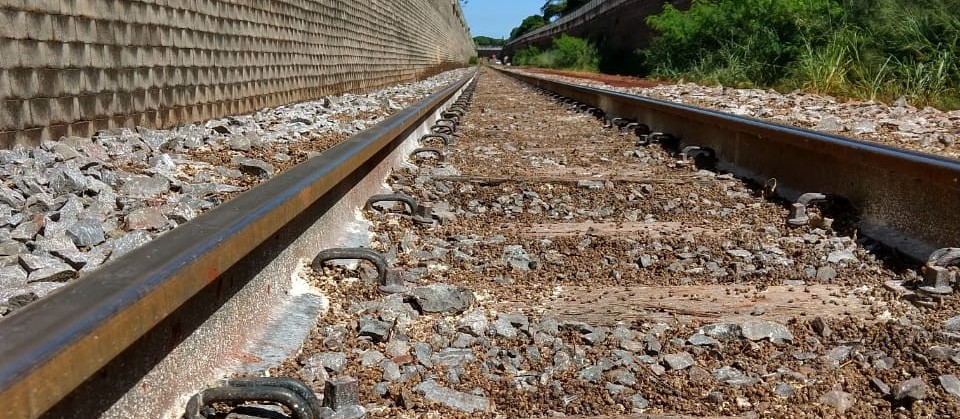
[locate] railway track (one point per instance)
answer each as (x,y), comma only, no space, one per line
(546,261)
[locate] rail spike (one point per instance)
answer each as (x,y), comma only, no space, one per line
(937,277)
(798,210)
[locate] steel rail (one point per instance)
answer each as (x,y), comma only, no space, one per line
(50,347)
(907,200)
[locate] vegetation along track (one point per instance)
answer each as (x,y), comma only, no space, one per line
(557,262)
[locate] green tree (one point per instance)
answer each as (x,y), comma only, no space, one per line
(488,41)
(529,23)
(559,8)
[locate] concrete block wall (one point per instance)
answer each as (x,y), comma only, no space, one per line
(73,67)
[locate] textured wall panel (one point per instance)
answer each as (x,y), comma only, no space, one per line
(71,67)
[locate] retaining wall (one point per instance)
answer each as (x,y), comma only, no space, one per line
(73,67)
(618,27)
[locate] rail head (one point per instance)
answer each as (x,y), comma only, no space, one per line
(908,200)
(53,345)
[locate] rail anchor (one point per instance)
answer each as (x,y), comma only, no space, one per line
(937,276)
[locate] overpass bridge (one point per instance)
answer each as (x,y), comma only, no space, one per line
(617,27)
(487,51)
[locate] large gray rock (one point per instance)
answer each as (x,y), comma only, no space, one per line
(128,242)
(452,357)
(391,371)
(75,258)
(255,167)
(503,328)
(733,376)
(442,298)
(11,197)
(950,384)
(952,324)
(51,244)
(463,402)
(67,180)
(518,258)
(86,233)
(474,322)
(238,143)
(371,357)
(423,352)
(639,402)
(378,330)
(722,331)
(332,361)
(912,390)
(149,218)
(12,276)
(623,377)
(164,165)
(145,187)
(592,373)
(838,399)
(26,231)
(761,329)
(88,147)
(57,272)
(700,339)
(679,361)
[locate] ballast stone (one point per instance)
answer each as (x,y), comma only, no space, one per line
(442,298)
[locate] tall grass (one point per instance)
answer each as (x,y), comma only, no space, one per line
(567,52)
(873,49)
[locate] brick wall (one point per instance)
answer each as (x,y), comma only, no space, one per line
(72,67)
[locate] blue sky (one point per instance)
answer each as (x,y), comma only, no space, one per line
(495,18)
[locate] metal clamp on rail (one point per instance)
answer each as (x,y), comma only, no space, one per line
(442,137)
(442,129)
(702,156)
(937,276)
(637,129)
(389,280)
(447,121)
(655,137)
(798,210)
(415,154)
(419,213)
(288,392)
(353,253)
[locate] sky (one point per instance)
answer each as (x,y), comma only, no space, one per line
(496,18)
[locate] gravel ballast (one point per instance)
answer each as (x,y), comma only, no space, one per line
(69,206)
(611,279)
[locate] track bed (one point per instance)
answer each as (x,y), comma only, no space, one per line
(575,273)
